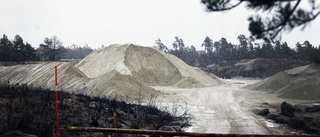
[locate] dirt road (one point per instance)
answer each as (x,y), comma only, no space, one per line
(218,109)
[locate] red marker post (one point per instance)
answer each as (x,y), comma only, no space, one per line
(57,101)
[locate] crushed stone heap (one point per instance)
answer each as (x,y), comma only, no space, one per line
(146,64)
(298,83)
(71,79)
(122,71)
(42,75)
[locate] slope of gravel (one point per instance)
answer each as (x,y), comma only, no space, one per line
(122,71)
(42,75)
(148,65)
(298,83)
(71,79)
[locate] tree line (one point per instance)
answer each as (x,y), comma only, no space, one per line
(51,49)
(16,50)
(215,52)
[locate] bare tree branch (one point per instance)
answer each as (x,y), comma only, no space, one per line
(286,20)
(209,6)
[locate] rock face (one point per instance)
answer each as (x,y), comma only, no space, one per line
(122,71)
(298,83)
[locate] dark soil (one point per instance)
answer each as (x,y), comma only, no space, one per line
(32,111)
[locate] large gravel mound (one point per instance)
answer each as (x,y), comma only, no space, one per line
(122,71)
(124,87)
(298,83)
(148,65)
(42,75)
(72,80)
(105,60)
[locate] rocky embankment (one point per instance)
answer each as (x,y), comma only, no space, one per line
(31,112)
(259,67)
(303,117)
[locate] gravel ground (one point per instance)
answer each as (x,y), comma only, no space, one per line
(226,108)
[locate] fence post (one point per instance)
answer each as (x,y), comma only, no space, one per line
(115,122)
(55,134)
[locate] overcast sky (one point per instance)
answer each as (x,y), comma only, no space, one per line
(105,22)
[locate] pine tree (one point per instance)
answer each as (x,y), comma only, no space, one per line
(6,49)
(51,49)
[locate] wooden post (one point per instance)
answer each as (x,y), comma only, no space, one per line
(55,134)
(115,122)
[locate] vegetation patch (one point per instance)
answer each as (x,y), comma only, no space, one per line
(32,111)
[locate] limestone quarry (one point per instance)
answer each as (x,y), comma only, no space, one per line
(134,73)
(122,71)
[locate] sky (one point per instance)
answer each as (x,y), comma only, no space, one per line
(141,22)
